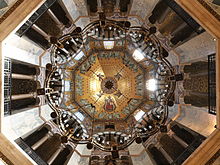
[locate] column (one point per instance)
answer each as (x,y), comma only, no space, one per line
(40,142)
(54,18)
(171,146)
(37,135)
(99,4)
(37,37)
(26,69)
(40,31)
(54,156)
(117,6)
(184,144)
(60,14)
(165,154)
(23,96)
(22,76)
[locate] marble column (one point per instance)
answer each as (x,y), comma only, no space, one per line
(40,31)
(22,76)
(37,37)
(41,141)
(99,4)
(54,156)
(117,6)
(23,96)
(165,154)
(55,18)
(184,144)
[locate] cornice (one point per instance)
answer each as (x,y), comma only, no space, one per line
(209,8)
(10,10)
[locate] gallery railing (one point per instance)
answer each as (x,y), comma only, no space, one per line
(30,151)
(211,84)
(7,86)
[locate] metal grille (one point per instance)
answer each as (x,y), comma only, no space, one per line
(30,151)
(211,84)
(44,7)
(7,86)
(188,151)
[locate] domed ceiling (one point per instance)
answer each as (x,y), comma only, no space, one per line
(112,82)
(105,74)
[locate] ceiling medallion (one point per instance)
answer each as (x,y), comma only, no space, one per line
(129,83)
(109,85)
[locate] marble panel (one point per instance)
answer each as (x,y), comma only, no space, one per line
(82,149)
(71,8)
(19,124)
(84,161)
(46,111)
(23,44)
(20,49)
(197,119)
(135,21)
(197,48)
(74,159)
(173,111)
(143,8)
(82,22)
(75,8)
(143,159)
(173,58)
(45,59)
(135,149)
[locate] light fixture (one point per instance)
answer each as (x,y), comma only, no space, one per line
(137,55)
(151,85)
(108,44)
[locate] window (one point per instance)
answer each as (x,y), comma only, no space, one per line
(79,115)
(108,44)
(79,55)
(137,55)
(139,115)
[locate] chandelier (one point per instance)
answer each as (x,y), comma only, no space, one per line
(74,60)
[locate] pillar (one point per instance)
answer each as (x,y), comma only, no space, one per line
(37,135)
(41,141)
(54,156)
(22,76)
(23,96)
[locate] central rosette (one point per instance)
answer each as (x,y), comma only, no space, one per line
(109,85)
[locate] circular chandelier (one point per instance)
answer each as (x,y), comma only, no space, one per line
(115,72)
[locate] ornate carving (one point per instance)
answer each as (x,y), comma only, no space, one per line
(209,8)
(5,159)
(213,159)
(10,10)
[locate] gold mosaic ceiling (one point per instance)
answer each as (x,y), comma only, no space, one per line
(109,85)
